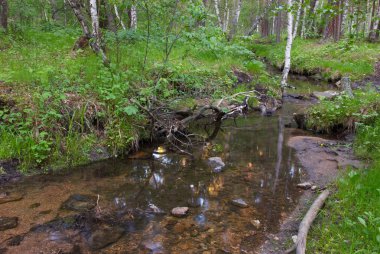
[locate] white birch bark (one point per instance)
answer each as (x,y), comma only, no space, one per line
(288,48)
(303,27)
(226,18)
(297,19)
(217,12)
(235,21)
(119,18)
(97,45)
(134,17)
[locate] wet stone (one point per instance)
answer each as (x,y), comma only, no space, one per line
(6,197)
(103,237)
(216,163)
(180,211)
(239,203)
(304,186)
(153,209)
(15,241)
(35,205)
(325,94)
(80,203)
(8,223)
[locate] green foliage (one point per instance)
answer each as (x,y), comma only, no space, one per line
(350,222)
(367,144)
(343,112)
(332,60)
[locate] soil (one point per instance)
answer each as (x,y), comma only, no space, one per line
(323,160)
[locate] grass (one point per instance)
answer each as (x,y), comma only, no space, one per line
(329,61)
(350,221)
(55,104)
(344,113)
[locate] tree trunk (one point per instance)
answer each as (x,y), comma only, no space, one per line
(288,48)
(97,44)
(119,18)
(134,17)
(81,19)
(226,17)
(372,29)
(277,26)
(54,10)
(4,14)
(235,21)
(297,19)
(217,13)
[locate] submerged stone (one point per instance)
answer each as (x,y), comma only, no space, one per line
(8,223)
(304,186)
(154,209)
(15,241)
(6,197)
(103,237)
(240,203)
(79,203)
(216,163)
(325,95)
(180,211)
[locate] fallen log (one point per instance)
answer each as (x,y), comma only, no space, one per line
(300,245)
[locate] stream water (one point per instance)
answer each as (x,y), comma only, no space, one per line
(124,205)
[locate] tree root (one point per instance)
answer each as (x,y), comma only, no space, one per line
(300,246)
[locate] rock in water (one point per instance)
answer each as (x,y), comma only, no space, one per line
(216,163)
(102,237)
(180,211)
(240,203)
(8,223)
(154,209)
(6,197)
(304,186)
(325,95)
(80,203)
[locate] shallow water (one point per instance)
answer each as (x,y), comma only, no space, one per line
(260,169)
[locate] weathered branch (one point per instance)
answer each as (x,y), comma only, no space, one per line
(305,225)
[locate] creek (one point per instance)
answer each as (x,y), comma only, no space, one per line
(124,205)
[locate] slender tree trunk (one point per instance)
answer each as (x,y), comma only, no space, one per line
(372,33)
(4,14)
(235,21)
(119,18)
(295,30)
(97,44)
(303,26)
(54,10)
(75,5)
(226,17)
(110,17)
(288,48)
(217,13)
(134,17)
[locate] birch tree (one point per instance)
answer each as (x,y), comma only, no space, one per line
(217,13)
(133,17)
(235,21)
(288,48)
(295,30)
(118,17)
(97,43)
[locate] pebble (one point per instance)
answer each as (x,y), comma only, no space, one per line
(180,211)
(240,203)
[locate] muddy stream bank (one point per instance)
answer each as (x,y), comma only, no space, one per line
(236,195)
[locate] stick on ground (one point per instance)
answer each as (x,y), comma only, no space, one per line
(304,227)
